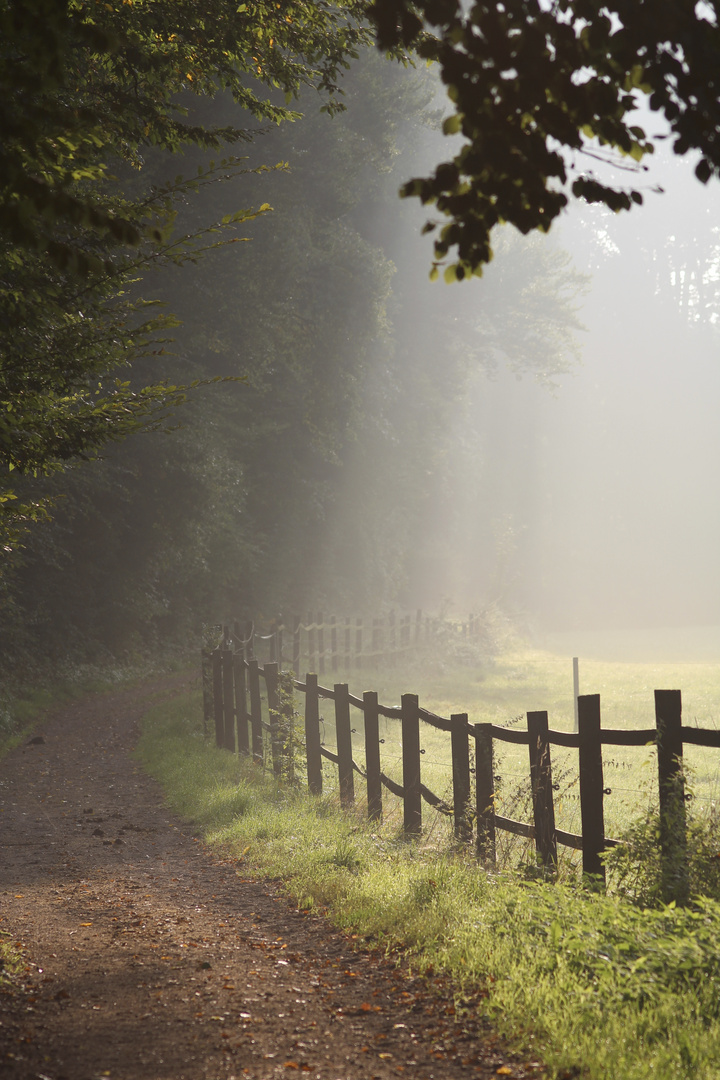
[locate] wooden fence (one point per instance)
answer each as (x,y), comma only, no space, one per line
(233,701)
(331,643)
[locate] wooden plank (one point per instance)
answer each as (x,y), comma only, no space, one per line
(344,745)
(271,685)
(249,640)
(671,785)
(372,755)
(591,787)
(518,828)
(572,840)
(485,793)
(624,737)
(218,714)
(228,700)
(312,735)
(564,738)
(412,802)
(541,785)
(701,736)
(521,738)
(460,753)
(253,675)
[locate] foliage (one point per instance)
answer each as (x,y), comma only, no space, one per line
(87,88)
(636,867)
(537,87)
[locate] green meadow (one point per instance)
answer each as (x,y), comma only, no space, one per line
(524,679)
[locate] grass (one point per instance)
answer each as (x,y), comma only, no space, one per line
(589,984)
(525,679)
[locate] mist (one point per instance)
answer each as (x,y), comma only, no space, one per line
(540,441)
(583,498)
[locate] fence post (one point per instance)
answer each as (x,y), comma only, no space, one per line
(484,793)
(280,635)
(286,723)
(218,697)
(372,755)
(673,836)
(249,640)
(228,701)
(271,685)
(542,791)
(206,678)
(412,801)
(255,710)
(344,745)
(460,751)
(241,704)
(312,735)
(591,785)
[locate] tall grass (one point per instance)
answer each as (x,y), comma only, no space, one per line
(590,984)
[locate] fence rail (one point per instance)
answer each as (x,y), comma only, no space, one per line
(232,698)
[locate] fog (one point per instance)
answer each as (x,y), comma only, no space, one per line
(590,503)
(543,440)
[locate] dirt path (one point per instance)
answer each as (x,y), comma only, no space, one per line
(148,958)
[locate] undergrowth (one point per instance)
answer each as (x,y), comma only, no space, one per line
(593,985)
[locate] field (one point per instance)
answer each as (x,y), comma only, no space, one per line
(620,667)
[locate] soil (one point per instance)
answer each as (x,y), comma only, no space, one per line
(146,956)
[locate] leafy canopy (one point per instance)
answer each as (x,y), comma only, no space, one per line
(87,90)
(535,84)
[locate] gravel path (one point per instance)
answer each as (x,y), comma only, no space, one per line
(147,957)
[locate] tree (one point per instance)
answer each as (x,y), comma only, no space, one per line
(86,90)
(538,86)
